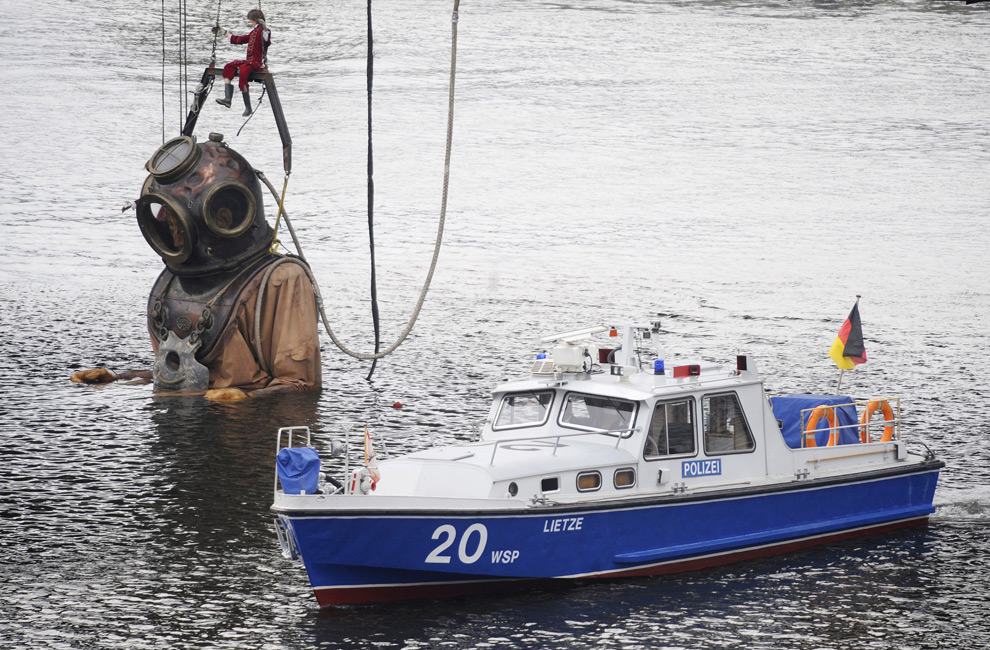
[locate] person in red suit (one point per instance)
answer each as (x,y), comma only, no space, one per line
(258,40)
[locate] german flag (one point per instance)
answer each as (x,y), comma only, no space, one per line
(848,349)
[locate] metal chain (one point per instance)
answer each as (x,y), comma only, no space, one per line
(216,35)
(163,71)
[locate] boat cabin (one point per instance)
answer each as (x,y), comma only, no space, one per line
(576,430)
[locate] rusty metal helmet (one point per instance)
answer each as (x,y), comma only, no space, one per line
(201,208)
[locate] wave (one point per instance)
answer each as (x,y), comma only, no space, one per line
(967,503)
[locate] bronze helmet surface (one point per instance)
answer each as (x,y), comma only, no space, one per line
(201,208)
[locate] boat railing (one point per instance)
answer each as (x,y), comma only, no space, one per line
(865,423)
(288,433)
(557,437)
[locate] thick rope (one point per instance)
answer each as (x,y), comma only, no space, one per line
(440,226)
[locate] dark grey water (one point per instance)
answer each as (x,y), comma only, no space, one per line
(743,167)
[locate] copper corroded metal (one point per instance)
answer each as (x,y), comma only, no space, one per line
(201,208)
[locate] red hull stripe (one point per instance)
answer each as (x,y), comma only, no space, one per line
(385,593)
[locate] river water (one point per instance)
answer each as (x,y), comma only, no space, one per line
(742,168)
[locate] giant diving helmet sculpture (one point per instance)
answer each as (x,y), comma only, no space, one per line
(226,312)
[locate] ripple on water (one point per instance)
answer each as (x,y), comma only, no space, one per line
(741,168)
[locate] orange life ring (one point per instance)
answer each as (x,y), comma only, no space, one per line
(811,429)
(888,418)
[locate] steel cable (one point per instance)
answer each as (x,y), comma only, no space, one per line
(163,71)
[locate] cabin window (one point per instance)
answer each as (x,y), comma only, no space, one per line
(598,413)
(671,430)
(551,484)
(624,478)
(726,430)
(589,481)
(529,409)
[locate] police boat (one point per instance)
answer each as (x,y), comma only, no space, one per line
(604,462)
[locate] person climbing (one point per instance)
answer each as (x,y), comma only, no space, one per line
(258,40)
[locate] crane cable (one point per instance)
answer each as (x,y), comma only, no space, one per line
(216,35)
(417,308)
(163,71)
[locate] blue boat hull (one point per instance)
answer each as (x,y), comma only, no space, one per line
(380,556)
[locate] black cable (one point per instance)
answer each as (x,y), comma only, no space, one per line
(264,89)
(371,203)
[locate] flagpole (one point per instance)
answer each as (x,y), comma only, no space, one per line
(838,385)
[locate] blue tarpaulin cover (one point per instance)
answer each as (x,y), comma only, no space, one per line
(787,409)
(298,469)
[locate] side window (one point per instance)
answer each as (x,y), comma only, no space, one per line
(671,430)
(726,430)
(529,409)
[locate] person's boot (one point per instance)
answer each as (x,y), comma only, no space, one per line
(247,102)
(228,94)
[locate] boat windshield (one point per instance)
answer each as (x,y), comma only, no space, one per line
(528,409)
(598,413)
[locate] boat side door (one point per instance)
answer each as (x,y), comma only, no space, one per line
(728,444)
(671,439)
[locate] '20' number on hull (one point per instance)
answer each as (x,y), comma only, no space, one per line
(448,534)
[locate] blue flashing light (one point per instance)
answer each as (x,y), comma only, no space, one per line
(541,355)
(658,368)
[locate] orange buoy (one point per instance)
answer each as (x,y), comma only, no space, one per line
(811,429)
(888,420)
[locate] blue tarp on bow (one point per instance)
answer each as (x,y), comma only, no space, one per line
(787,409)
(298,470)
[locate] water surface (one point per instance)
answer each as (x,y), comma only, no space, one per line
(743,168)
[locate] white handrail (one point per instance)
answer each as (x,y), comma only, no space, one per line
(857,426)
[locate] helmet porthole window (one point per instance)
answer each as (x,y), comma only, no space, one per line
(166,227)
(173,159)
(229,210)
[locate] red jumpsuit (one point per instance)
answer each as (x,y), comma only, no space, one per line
(257,45)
